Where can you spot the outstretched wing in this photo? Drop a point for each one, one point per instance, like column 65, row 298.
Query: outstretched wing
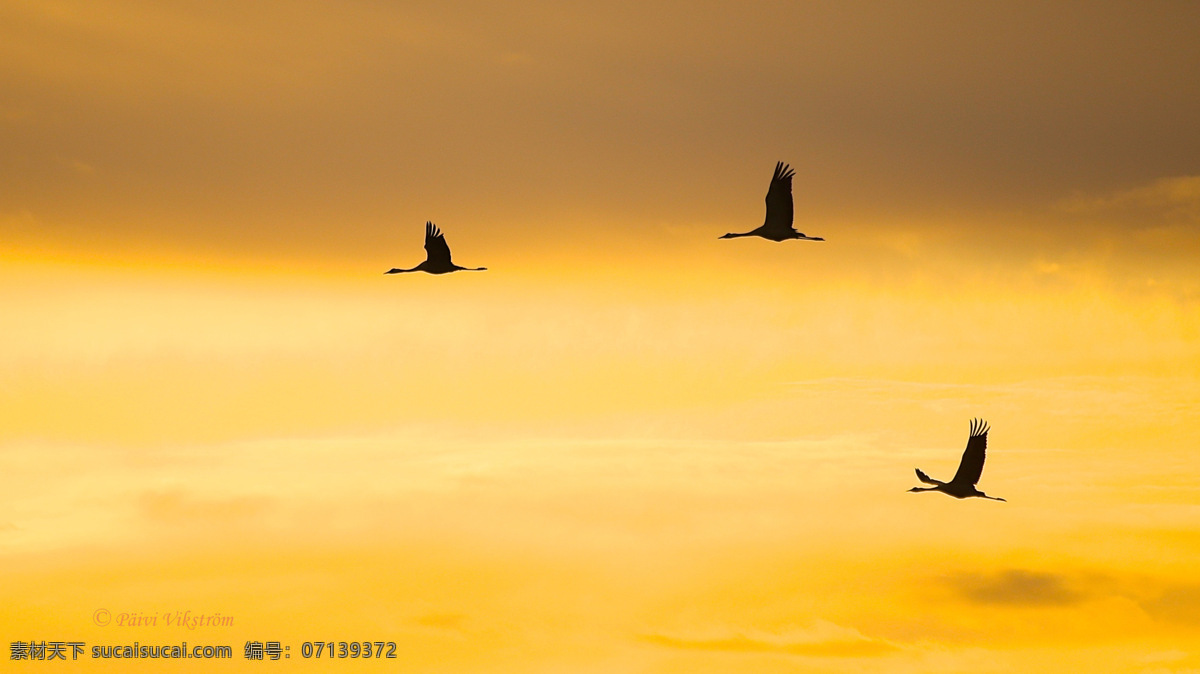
column 925, row 478
column 973, row 456
column 779, row 200
column 436, row 250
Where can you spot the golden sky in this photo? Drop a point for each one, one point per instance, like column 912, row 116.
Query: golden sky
column 628, row 446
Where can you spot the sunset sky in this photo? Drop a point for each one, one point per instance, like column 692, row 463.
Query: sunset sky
column 628, row 446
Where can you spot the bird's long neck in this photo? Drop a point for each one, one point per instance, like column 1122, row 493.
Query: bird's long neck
column 400, row 271
column 734, row 235
column 933, row 488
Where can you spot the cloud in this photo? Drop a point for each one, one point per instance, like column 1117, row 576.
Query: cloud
column 1177, row 603
column 176, row 505
column 824, row 639
column 1161, row 599
column 1175, row 198
column 446, row 622
column 1017, row 587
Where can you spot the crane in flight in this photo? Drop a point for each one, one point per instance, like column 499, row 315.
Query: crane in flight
column 969, row 469
column 778, row 225
column 437, row 255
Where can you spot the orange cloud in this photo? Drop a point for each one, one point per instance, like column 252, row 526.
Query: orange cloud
column 175, row 505
column 1018, row 587
column 823, row 640
column 1177, row 196
column 1177, row 603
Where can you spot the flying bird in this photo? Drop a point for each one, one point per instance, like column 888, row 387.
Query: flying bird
column 969, row 469
column 778, row 225
column 437, row 255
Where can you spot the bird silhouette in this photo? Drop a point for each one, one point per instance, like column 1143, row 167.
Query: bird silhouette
column 969, row 469
column 437, row 255
column 778, row 225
